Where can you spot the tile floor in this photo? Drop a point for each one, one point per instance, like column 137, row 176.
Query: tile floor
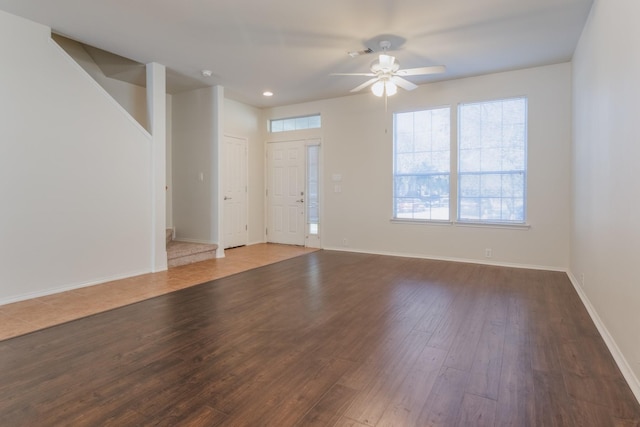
column 27, row 316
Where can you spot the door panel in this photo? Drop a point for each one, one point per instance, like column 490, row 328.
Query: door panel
column 285, row 192
column 235, row 192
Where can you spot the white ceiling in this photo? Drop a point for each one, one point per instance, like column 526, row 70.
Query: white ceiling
column 291, row 46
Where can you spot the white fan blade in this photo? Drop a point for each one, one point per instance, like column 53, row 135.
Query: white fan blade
column 404, row 84
column 365, row 84
column 422, row 70
column 355, row 53
column 353, row 74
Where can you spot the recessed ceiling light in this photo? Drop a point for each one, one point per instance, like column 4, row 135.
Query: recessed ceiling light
column 267, row 93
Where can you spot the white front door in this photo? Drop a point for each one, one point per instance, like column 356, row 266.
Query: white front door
column 285, row 192
column 235, row 192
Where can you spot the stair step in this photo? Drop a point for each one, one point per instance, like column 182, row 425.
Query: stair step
column 183, row 253
column 169, row 235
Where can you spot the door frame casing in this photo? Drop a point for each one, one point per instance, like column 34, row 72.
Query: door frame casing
column 305, row 142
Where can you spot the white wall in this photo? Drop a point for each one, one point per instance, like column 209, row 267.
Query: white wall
column 605, row 238
column 357, row 143
column 133, row 98
column 74, row 173
column 244, row 121
column 193, row 164
column 196, row 115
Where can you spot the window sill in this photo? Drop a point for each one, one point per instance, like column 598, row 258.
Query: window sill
column 420, row 221
column 500, row 225
column 503, row 225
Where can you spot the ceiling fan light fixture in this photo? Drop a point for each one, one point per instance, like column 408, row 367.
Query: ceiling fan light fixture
column 390, row 88
column 378, row 88
column 387, row 75
column 384, row 86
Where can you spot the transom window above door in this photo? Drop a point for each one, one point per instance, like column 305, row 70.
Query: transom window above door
column 295, row 123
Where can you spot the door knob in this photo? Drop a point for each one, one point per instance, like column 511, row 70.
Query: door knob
column 300, row 201
column 227, row 198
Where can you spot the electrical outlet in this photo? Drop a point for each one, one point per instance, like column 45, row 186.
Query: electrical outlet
column 488, row 253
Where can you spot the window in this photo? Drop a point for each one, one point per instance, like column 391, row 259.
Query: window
column 294, row 123
column 421, row 164
column 313, row 171
column 491, row 168
column 492, row 148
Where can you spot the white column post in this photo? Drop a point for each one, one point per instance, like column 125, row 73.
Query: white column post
column 157, row 115
column 218, row 138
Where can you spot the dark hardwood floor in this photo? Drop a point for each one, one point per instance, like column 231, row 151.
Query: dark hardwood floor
column 328, row 339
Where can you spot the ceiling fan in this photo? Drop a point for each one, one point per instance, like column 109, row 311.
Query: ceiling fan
column 386, row 73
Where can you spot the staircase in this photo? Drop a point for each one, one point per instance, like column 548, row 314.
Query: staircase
column 183, row 253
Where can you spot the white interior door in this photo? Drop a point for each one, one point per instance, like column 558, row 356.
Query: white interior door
column 285, row 192
column 235, row 192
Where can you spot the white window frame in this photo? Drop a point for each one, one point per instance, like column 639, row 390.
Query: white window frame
column 455, row 174
column 313, row 180
column 422, row 206
column 486, row 202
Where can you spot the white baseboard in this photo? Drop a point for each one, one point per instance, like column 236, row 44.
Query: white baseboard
column 438, row 258
column 621, row 361
column 57, row 290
